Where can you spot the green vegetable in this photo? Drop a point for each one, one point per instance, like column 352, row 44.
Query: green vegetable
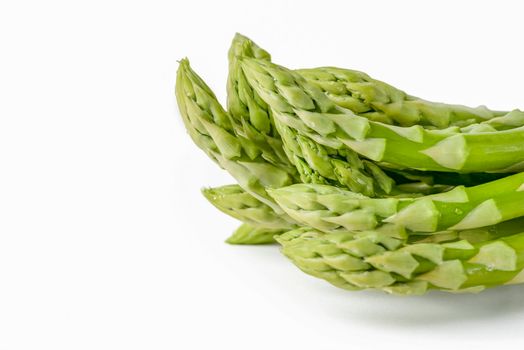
column 375, row 260
column 324, row 165
column 243, row 102
column 329, row 209
column 315, row 162
column 347, row 88
column 362, row 184
column 235, row 202
column 384, row 103
column 303, row 107
column 249, row 113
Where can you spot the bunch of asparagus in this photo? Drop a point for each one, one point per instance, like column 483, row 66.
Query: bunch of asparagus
column 362, row 184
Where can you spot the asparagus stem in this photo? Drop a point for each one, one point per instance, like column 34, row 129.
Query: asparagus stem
column 330, row 209
column 211, row 129
column 353, row 90
column 235, row 202
column 243, row 102
column 335, row 129
column 384, row 103
column 375, row 260
column 250, row 114
column 303, row 107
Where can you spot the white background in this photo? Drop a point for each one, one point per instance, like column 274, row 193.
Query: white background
column 105, row 240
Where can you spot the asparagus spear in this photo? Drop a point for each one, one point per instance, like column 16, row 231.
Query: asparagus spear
column 303, row 107
column 347, row 88
column 235, row 202
column 261, row 221
column 211, row 129
column 375, row 260
column 332, row 209
column 382, row 102
column 250, row 114
column 243, row 103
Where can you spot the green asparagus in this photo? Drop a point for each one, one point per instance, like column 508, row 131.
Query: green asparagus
column 250, row 114
column 325, row 165
column 362, row 184
column 347, row 88
column 235, row 202
column 329, row 209
column 304, row 107
column 210, row 128
column 384, row 103
column 315, row 163
column 372, row 260
column 247, row 234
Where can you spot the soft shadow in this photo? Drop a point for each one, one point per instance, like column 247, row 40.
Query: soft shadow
column 434, row 308
column 380, row 309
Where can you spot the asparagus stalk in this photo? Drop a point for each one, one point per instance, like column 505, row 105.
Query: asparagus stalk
column 304, row 107
column 235, row 202
column 332, row 209
column 211, row 129
column 372, row 260
column 250, row 114
column 382, row 102
column 260, row 221
column 243, row 103
column 347, row 88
